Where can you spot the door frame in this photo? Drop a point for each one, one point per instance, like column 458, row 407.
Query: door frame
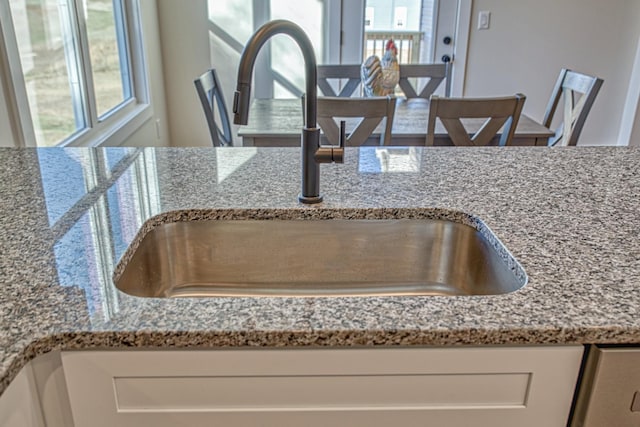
column 461, row 47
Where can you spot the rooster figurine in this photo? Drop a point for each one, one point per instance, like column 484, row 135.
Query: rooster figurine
column 380, row 76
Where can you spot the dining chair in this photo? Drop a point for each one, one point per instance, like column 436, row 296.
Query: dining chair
column 367, row 113
column 210, row 93
column 579, row 92
column 337, row 72
column 436, row 73
column 502, row 112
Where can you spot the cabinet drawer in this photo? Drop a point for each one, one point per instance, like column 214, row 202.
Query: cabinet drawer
column 370, row 387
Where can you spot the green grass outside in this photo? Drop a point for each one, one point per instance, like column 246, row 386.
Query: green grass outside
column 48, row 82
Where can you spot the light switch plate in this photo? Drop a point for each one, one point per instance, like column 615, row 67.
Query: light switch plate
column 484, row 17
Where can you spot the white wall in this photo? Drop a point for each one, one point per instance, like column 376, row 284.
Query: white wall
column 185, row 51
column 154, row 132
column 529, row 42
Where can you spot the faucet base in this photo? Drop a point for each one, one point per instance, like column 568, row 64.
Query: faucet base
column 309, row 200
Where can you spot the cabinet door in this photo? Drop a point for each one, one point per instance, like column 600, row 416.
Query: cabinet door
column 610, row 391
column 19, row 404
column 488, row 386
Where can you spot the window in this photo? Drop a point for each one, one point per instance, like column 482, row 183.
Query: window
column 280, row 71
column 78, row 64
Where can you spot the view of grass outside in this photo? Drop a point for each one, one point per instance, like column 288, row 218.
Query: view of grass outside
column 52, row 72
column 105, row 60
column 40, row 43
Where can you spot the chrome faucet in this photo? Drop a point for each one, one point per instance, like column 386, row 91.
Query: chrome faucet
column 313, row 154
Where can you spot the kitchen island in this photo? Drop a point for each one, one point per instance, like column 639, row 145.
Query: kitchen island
column 67, row 216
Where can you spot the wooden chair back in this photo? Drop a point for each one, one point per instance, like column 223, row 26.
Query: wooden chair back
column 367, row 112
column 503, row 112
column 338, row 72
column 437, row 74
column 579, row 92
column 210, row 94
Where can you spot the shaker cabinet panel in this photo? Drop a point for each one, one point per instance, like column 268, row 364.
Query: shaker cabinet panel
column 493, row 386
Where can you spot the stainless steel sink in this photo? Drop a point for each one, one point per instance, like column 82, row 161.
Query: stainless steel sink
column 311, row 258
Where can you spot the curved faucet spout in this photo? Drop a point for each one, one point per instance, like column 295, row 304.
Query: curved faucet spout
column 247, row 61
column 312, row 153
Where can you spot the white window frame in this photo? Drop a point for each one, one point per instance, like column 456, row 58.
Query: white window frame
column 114, row 127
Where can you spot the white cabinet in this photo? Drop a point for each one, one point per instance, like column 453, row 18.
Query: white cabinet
column 610, row 391
column 481, row 386
column 19, row 404
column 37, row 396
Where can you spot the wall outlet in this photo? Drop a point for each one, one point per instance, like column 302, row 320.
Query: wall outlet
column 484, row 17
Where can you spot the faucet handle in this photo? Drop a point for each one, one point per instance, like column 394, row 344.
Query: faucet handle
column 338, row 153
column 332, row 153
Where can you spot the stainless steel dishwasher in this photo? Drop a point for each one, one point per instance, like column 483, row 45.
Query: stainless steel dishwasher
column 609, row 393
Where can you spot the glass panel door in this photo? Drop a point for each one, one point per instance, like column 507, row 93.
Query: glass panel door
column 444, row 25
column 286, row 58
column 282, row 73
column 418, row 28
column 424, row 31
column 402, row 21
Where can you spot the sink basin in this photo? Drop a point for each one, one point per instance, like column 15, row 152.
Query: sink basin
column 315, row 258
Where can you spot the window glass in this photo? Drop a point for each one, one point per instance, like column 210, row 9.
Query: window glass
column 48, row 56
column 409, row 23
column 286, row 57
column 235, row 17
column 108, row 52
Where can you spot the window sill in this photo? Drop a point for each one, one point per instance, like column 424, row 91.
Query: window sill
column 116, row 132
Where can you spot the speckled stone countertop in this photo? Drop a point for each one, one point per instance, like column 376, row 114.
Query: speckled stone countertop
column 570, row 216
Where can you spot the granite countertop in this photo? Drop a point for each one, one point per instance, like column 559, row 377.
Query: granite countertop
column 568, row 215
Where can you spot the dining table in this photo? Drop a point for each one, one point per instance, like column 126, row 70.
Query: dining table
column 277, row 122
